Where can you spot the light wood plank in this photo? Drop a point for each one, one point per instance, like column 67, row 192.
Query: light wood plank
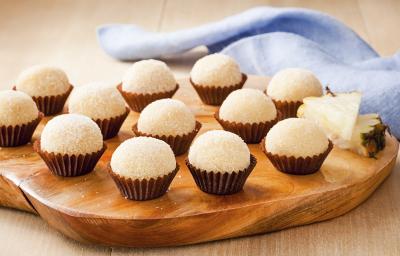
column 180, row 14
column 63, row 33
column 382, row 20
column 22, row 233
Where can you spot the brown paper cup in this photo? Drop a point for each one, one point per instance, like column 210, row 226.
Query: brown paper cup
column 179, row 144
column 13, row 136
column 51, row 105
column 69, row 165
column 110, row 127
column 221, row 183
column 288, row 109
column 250, row 133
column 216, row 95
column 138, row 101
column 143, row 189
column 297, row 165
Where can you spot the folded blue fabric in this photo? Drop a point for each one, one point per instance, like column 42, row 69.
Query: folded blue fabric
column 264, row 40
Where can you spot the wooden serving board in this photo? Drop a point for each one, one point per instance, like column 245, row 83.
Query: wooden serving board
column 90, row 208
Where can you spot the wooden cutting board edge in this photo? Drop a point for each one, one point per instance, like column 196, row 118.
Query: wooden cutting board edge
column 357, row 192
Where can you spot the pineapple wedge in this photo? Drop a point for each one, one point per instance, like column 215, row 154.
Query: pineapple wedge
column 337, row 115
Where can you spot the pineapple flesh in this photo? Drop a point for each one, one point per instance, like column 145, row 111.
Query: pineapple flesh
column 337, row 115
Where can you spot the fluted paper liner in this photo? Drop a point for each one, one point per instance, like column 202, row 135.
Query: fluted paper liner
column 288, row 109
column 179, row 144
column 143, row 189
column 17, row 135
column 297, row 165
column 69, row 165
column 211, row 95
column 51, row 105
column 221, row 183
column 251, row 133
column 138, row 101
column 111, row 126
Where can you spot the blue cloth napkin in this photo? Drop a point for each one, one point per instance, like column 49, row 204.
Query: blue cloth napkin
column 264, row 40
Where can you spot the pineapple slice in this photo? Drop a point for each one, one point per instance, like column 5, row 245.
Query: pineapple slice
column 337, row 115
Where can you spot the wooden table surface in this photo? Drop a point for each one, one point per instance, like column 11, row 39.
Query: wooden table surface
column 63, row 33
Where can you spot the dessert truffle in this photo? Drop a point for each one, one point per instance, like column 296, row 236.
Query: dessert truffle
column 71, row 134
column 48, row 86
column 143, row 158
column 296, row 137
column 248, row 106
column 143, row 168
column 102, row 103
column 216, row 70
column 219, row 151
column 290, row 86
column 70, row 144
column 249, row 113
column 148, row 76
column 216, row 154
column 43, row 81
column 169, row 120
column 297, row 146
column 147, row 81
column 19, row 117
column 97, row 101
column 16, row 108
column 215, row 76
column 166, row 117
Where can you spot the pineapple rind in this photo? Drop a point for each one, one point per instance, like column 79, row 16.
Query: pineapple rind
column 368, row 135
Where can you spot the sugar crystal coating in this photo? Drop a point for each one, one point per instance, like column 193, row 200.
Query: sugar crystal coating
column 294, row 84
column 296, row 137
column 219, row 151
column 43, row 81
column 16, row 108
column 71, row 134
column 166, row 117
column 97, row 101
column 143, row 158
column 247, row 106
column 216, row 70
column 148, row 76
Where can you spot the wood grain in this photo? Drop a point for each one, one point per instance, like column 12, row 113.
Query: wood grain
column 61, row 32
column 89, row 208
